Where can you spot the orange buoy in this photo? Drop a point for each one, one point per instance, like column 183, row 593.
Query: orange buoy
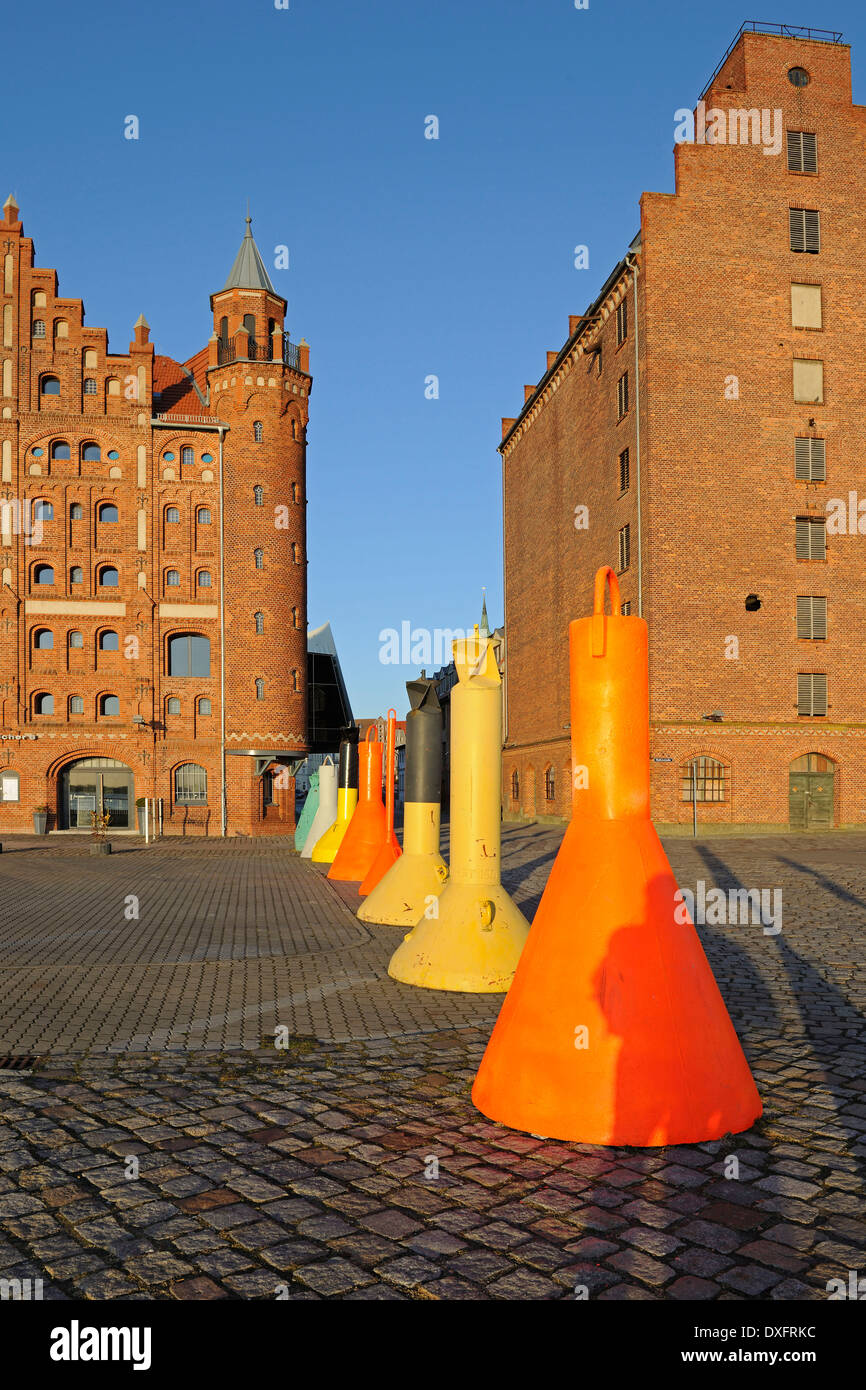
column 366, row 830
column 614, row 1030
column 389, row 851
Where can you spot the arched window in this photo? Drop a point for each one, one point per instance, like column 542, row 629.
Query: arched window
column 108, row 514
column 173, row 706
column 190, row 785
column 296, row 553
column 90, row 386
column 172, row 516
column 109, row 577
column 296, row 617
column 76, row 512
column 294, row 428
column 39, row 299
column 109, row 641
column 76, row 704
column 260, row 559
column 9, row 786
column 250, row 325
column 224, row 329
column 43, row 639
column 187, row 456
column 172, row 579
column 188, row 655
column 550, row 784
column 259, row 495
column 109, row 705
column 204, row 579
column 61, row 328
column 91, row 453
column 91, row 358
column 703, row 779
column 43, row 574
column 112, row 386
column 296, row 683
column 76, row 640
column 60, row 449
column 515, row 785
column 43, row 511
column 43, row 704
column 50, row 386
column 260, row 622
column 204, row 707
column 258, row 431
column 260, row 688
column 296, row 492
column 204, row 518
column 76, row 575
column 39, row 328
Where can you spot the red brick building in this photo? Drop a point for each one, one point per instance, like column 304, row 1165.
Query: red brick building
column 699, row 431
column 153, row 555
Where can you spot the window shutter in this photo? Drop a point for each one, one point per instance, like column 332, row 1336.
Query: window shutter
column 802, row 151
column 812, row 695
column 810, row 538
column 805, row 229
column 812, row 617
column 810, row 462
column 624, row 548
column 810, row 152
column 623, row 471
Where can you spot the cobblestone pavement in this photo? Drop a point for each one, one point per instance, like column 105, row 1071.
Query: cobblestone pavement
column 354, row 1165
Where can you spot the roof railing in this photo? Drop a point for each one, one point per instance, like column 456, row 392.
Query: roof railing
column 785, row 31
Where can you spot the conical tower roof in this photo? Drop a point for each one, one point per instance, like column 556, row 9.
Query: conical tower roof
column 248, row 271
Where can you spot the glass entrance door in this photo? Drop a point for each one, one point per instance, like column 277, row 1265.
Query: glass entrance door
column 82, row 801
column 100, row 785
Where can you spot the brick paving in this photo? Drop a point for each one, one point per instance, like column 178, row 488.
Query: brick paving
column 353, row 1164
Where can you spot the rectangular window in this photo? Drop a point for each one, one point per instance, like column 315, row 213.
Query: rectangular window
column 624, row 470
column 812, row 695
column 805, row 229
column 622, row 396
column 808, row 381
column 806, row 309
column 811, row 538
column 811, row 618
column 810, row 463
column 621, row 322
column 624, row 548
column 802, row 152
column 9, row 787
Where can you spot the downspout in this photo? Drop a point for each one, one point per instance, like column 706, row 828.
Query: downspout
column 223, row 816
column 632, row 260
column 504, row 621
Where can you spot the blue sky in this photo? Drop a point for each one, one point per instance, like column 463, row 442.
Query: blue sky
column 409, row 257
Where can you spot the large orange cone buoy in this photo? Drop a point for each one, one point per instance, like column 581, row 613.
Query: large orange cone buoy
column 389, row 850
column 366, row 830
column 614, row 1030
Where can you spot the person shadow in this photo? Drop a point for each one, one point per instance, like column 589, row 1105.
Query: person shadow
column 831, row 1025
column 681, row 1072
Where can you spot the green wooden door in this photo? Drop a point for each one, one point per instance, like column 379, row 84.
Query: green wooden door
column 810, row 800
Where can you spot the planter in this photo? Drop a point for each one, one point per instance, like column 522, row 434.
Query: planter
column 101, row 847
column 40, row 822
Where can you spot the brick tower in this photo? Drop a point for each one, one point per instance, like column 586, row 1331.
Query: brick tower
column 259, row 387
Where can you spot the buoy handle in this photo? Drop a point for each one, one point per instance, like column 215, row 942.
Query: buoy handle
column 604, row 576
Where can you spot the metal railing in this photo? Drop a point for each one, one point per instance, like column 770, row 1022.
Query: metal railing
column 785, row 31
column 243, row 348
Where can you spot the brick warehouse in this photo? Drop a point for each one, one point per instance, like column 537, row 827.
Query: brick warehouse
column 707, row 412
column 153, row 553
